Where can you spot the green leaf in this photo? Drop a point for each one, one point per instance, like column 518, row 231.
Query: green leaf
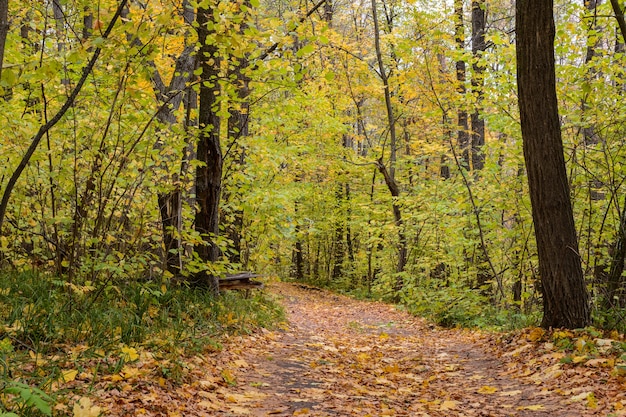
column 306, row 49
column 9, row 78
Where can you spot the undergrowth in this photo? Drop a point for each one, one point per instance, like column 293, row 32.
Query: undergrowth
column 47, row 326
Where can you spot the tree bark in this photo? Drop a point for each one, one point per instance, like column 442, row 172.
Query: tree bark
column 209, row 152
column 615, row 281
column 565, row 297
column 478, row 47
column 4, row 29
column 619, row 16
column 389, row 173
column 170, row 203
column 463, row 137
column 238, row 128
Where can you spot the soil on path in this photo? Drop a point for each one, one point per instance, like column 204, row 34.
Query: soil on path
column 343, row 357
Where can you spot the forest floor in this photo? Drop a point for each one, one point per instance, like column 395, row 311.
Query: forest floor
column 342, row 357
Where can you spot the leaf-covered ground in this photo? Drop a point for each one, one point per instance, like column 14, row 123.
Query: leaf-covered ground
column 342, row 357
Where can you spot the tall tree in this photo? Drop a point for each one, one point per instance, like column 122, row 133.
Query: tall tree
column 238, row 129
column 565, row 297
column 463, row 137
column 478, row 68
column 390, row 172
column 209, row 152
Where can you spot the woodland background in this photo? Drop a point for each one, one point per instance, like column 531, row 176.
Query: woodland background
column 371, row 147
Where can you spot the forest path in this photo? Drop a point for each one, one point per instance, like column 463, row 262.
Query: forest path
column 344, row 357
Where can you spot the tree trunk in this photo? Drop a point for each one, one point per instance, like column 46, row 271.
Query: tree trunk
column 478, row 47
column 619, row 16
column 209, row 152
column 389, row 173
column 463, row 137
column 615, row 280
column 238, row 129
column 297, row 258
column 565, row 297
column 338, row 243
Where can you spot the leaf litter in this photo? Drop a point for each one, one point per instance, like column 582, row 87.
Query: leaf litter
column 342, row 357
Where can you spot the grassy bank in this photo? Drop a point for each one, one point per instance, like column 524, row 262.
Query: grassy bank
column 53, row 333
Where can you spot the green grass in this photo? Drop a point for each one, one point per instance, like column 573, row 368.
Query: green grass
column 44, row 317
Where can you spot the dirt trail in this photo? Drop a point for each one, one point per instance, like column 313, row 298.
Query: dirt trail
column 342, row 357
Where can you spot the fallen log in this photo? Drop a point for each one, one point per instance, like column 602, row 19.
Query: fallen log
column 240, row 281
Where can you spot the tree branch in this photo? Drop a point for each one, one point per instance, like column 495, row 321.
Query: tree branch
column 54, row 120
column 619, row 16
column 302, row 19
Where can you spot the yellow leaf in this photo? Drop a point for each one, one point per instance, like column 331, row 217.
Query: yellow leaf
column 391, row 369
column 592, row 402
column 228, row 377
column 562, row 334
column 363, row 357
column 240, row 363
column 487, row 390
column 536, row 334
column 536, row 407
column 448, row 405
column 129, row 354
column 579, row 359
column 83, row 408
column 129, row 372
column 69, row 376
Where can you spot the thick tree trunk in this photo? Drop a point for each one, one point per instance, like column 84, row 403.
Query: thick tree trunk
column 209, row 152
column 565, row 297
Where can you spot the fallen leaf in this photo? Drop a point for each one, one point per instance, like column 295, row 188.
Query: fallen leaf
column 535, row 334
column 84, row 408
column 129, row 354
column 69, row 376
column 448, row 405
column 536, row 407
column 240, row 363
column 486, row 389
column 510, row 393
